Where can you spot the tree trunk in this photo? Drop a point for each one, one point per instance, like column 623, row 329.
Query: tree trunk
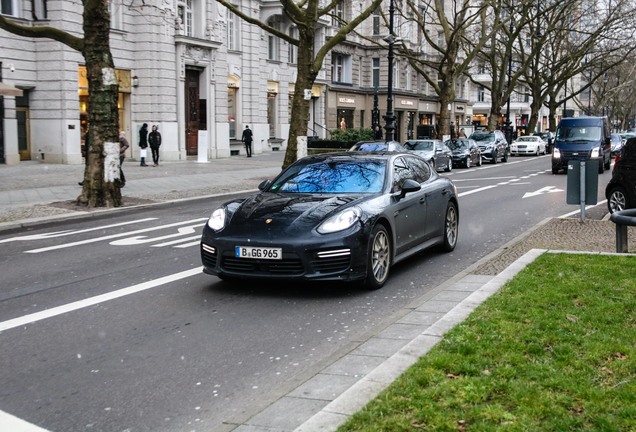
column 101, row 185
column 305, row 80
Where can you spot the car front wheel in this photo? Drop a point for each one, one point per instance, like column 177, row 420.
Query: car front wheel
column 467, row 163
column 449, row 166
column 451, row 227
column 379, row 258
column 617, row 200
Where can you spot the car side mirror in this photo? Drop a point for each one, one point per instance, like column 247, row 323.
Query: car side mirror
column 408, row 186
column 264, row 185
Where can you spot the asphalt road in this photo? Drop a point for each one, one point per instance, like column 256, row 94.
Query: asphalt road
column 127, row 334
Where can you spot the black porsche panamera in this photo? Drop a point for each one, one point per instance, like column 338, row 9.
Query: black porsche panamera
column 334, row 216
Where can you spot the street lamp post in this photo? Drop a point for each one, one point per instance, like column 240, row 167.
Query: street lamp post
column 390, row 116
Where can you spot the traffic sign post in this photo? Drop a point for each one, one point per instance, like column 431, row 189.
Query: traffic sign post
column 582, row 187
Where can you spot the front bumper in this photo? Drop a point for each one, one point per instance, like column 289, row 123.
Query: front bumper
column 523, row 150
column 332, row 258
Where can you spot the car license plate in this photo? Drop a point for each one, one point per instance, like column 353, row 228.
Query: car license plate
column 258, row 252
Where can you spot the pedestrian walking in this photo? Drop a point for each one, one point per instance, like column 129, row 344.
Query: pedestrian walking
column 247, row 139
column 143, row 144
column 377, row 133
column 123, row 146
column 154, row 139
column 462, row 133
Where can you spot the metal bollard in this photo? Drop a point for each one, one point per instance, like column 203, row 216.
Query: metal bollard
column 623, row 219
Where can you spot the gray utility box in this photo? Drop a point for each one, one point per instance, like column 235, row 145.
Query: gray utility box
column 576, row 182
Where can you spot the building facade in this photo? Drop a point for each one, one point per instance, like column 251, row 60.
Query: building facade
column 202, row 74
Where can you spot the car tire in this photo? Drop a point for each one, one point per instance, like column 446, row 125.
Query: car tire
column 555, row 170
column 495, row 156
column 378, row 258
column 479, row 161
column 608, row 163
column 467, row 163
column 601, row 167
column 505, row 156
column 451, row 227
column 449, row 166
column 617, row 200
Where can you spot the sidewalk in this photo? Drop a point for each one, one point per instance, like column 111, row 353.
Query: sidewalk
column 325, row 400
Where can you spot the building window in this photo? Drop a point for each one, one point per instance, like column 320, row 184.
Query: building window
column 481, row 94
column 115, row 8
column 396, row 74
column 273, row 42
column 338, row 17
column 9, row 7
column 292, row 56
column 39, row 10
column 232, row 31
column 377, row 17
column 184, row 11
column 375, row 70
column 340, row 68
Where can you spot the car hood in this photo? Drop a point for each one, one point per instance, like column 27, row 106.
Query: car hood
column 286, row 213
column 426, row 154
column 460, row 152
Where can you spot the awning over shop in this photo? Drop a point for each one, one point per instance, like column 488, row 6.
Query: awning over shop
column 7, row 90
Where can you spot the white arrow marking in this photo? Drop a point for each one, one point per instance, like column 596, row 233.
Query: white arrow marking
column 547, row 189
column 94, row 240
column 136, row 240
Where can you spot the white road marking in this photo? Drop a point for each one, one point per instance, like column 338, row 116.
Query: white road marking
column 70, row 307
column 113, row 236
column 547, row 189
column 70, row 232
column 143, row 239
column 14, row 424
column 170, row 243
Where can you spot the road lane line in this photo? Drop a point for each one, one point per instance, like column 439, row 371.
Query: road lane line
column 70, row 307
column 71, row 232
column 113, row 236
column 14, row 424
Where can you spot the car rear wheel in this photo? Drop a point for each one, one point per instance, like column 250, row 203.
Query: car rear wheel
column 505, row 156
column 617, row 200
column 479, row 161
column 379, row 258
column 451, row 227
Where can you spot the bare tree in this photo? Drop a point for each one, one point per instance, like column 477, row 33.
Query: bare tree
column 579, row 42
column 306, row 15
column 463, row 30
column 101, row 183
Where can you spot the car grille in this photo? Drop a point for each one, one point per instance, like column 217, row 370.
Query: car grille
column 324, row 262
column 575, row 155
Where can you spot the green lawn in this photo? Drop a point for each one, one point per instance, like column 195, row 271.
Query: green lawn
column 553, row 350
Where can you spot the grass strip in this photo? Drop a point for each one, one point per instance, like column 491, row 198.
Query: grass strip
column 553, row 350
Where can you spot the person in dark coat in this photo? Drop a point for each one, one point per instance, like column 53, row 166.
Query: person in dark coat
column 123, row 146
column 247, row 139
column 143, row 143
column 154, row 139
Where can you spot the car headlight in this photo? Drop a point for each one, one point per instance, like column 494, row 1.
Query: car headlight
column 596, row 152
column 556, row 154
column 217, row 220
column 340, row 221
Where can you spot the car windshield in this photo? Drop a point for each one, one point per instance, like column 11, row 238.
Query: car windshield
column 578, row 133
column 333, row 176
column 372, row 147
column 420, row 145
column 483, row 137
column 457, row 144
column 527, row 138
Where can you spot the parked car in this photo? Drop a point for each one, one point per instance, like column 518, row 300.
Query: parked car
column 617, row 143
column 493, row 145
column 528, row 145
column 582, row 138
column 434, row 151
column 378, row 146
column 333, row 217
column 621, row 189
column 465, row 151
column 548, row 137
